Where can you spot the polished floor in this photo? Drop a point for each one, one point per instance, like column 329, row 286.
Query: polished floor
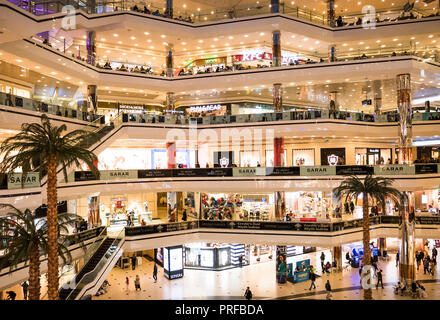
column 260, row 277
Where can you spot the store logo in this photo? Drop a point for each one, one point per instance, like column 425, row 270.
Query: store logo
column 332, row 160
column 298, row 226
column 119, row 174
column 159, row 228
column 311, row 170
column 393, row 169
column 224, row 162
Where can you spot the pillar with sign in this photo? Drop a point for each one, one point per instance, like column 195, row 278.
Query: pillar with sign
column 170, row 101
column 169, row 9
column 280, row 205
column 92, row 101
column 274, row 6
column 172, row 206
column 91, row 48
column 276, row 48
column 337, row 257
column 407, row 218
column 331, row 12
column 170, row 61
column 332, row 53
column 171, row 155
column 277, row 98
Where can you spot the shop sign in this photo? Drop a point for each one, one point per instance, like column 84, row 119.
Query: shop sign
column 203, row 172
column 155, row 173
column 249, row 172
column 394, row 169
column 204, row 108
column 282, row 171
column 253, row 55
column 31, row 180
column 426, row 168
column 317, row 170
column 118, row 174
column 85, row 176
column 354, row 170
column 131, row 108
column 427, row 220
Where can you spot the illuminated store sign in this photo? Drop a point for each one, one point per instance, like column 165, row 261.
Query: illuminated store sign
column 318, row 171
column 131, row 108
column 18, row 180
column 394, row 169
column 209, row 107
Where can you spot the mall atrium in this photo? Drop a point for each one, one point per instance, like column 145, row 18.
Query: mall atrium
column 222, row 130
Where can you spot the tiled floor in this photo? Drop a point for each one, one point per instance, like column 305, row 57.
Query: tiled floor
column 260, row 277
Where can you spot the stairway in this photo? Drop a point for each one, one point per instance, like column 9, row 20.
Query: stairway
column 90, row 265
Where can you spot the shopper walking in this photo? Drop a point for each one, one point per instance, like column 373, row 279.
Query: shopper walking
column 248, row 294
column 352, row 207
column 434, row 255
column 322, row 260
column 11, row 295
column 133, row 262
column 379, row 278
column 328, row 288
column 155, row 273
column 127, row 283
column 137, row 283
column 397, row 258
column 312, row 279
column 425, row 265
column 432, row 267
column 25, row 286
column 418, row 259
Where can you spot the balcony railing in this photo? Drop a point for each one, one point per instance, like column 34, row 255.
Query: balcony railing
column 199, row 16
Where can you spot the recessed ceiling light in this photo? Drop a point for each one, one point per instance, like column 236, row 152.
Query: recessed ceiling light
column 115, row 35
column 262, row 34
column 19, row 60
column 37, row 67
column 163, row 36
column 146, row 33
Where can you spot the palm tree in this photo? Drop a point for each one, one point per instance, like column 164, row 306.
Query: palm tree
column 24, row 240
column 46, row 145
column 372, row 189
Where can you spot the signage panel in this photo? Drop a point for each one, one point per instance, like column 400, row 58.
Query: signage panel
column 354, row 170
column 248, row 172
column 85, row 176
column 203, row 172
column 31, row 180
column 282, row 171
column 426, row 168
column 118, row 174
column 317, row 170
column 155, row 173
column 394, row 169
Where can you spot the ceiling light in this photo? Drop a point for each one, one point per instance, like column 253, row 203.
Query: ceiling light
column 146, row 33
column 163, row 36
column 115, row 34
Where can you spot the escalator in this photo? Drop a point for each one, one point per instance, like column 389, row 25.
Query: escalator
column 95, row 270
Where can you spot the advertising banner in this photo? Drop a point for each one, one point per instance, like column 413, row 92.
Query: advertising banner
column 118, row 174
column 155, row 173
column 354, row 170
column 317, row 170
column 282, row 171
column 203, row 172
column 248, row 172
column 85, row 176
column 31, row 180
column 394, row 169
column 426, row 168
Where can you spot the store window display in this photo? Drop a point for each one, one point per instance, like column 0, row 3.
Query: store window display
column 308, row 206
column 120, row 213
column 303, row 157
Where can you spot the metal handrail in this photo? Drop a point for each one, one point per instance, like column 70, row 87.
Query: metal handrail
column 89, row 276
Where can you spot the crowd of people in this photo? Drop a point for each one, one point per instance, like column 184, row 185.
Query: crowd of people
column 157, row 13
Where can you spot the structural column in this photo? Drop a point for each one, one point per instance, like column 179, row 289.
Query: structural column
column 332, row 53
column 171, row 155
column 337, row 256
column 278, row 147
column 406, row 223
column 274, row 6
column 91, row 49
column 280, row 205
column 169, row 9
column 331, row 12
column 170, row 62
column 377, row 106
column 382, row 245
column 276, row 48
column 170, row 101
column 277, row 98
column 92, row 100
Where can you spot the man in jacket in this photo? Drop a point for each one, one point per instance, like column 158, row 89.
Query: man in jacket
column 328, row 288
column 379, row 278
column 248, row 294
column 312, row 279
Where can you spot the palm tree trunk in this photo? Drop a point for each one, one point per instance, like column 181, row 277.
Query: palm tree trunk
column 52, row 231
column 34, row 275
column 366, row 241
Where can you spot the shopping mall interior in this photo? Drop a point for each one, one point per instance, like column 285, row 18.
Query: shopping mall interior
column 223, row 129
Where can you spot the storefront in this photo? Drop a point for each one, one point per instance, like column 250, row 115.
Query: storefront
column 427, row 202
column 110, row 109
column 234, row 206
column 142, row 158
column 311, row 206
column 332, row 156
column 373, row 156
column 428, row 154
column 216, row 256
column 303, row 157
column 209, row 64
